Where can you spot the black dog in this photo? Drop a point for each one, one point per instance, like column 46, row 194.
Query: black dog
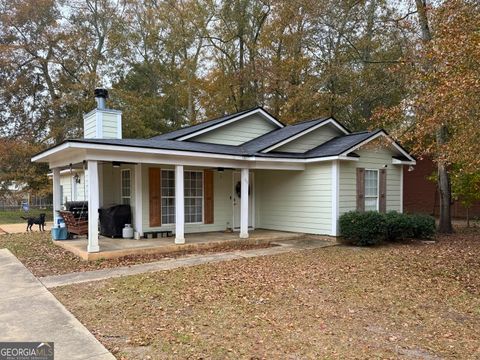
column 39, row 220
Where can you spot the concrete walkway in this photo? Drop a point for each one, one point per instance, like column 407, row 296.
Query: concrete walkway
column 168, row 264
column 29, row 312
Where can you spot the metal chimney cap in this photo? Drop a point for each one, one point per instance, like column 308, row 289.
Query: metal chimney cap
column 101, row 93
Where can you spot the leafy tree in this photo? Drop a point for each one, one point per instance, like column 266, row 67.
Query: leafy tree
column 439, row 115
column 173, row 63
column 466, row 188
column 15, row 166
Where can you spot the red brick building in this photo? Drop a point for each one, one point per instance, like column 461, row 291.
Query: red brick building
column 420, row 195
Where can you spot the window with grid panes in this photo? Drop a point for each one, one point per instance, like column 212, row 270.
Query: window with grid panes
column 168, row 196
column 126, row 186
column 371, row 190
column 193, row 182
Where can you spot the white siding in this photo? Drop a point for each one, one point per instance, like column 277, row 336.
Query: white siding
column 66, row 181
column 310, row 140
column 222, row 206
column 299, row 201
column 66, row 184
column 90, row 125
column 110, row 121
column 369, row 159
column 238, row 132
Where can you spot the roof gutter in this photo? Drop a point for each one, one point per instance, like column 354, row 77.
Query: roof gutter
column 136, row 149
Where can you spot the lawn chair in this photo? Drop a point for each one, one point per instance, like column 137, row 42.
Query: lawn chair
column 74, row 226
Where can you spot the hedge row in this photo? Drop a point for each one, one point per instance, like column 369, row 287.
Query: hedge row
column 371, row 227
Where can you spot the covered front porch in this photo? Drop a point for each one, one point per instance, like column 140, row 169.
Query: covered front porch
column 114, row 248
column 184, row 195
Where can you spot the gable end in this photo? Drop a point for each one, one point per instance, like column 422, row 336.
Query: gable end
column 275, row 124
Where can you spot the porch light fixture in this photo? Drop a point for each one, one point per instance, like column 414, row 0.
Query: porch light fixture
column 220, row 169
column 116, row 164
column 411, row 168
column 76, row 177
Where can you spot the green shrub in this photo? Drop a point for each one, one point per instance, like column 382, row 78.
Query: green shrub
column 423, row 226
column 399, row 226
column 363, row 228
column 371, row 227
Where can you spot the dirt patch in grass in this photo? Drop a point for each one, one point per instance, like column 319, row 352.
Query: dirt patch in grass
column 42, row 257
column 399, row 301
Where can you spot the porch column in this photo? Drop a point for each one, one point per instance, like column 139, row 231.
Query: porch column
column 244, row 204
column 57, row 201
column 93, row 205
column 335, row 196
column 138, row 200
column 179, row 206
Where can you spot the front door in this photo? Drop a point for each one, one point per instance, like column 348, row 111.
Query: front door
column 236, row 201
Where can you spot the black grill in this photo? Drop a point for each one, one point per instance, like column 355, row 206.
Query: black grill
column 113, row 220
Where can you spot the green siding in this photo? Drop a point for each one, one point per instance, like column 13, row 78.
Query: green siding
column 310, row 140
column 299, row 201
column 238, row 132
column 369, row 159
column 112, row 184
column 110, row 125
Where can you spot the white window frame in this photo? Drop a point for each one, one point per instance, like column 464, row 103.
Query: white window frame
column 195, row 197
column 74, row 189
column 62, row 199
column 185, row 197
column 129, row 197
column 378, row 189
column 167, row 197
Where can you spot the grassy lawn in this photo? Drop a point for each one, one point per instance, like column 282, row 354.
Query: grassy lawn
column 14, row 216
column 42, row 257
column 413, row 301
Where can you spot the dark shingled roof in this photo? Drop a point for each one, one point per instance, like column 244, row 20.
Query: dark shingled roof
column 274, row 137
column 340, row 144
column 332, row 147
column 169, row 145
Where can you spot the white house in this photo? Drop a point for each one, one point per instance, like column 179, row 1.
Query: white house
column 241, row 171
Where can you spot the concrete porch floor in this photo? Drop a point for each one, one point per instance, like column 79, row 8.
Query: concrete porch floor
column 114, row 248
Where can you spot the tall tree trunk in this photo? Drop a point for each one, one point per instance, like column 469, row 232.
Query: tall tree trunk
column 241, row 54
column 366, row 104
column 445, row 221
